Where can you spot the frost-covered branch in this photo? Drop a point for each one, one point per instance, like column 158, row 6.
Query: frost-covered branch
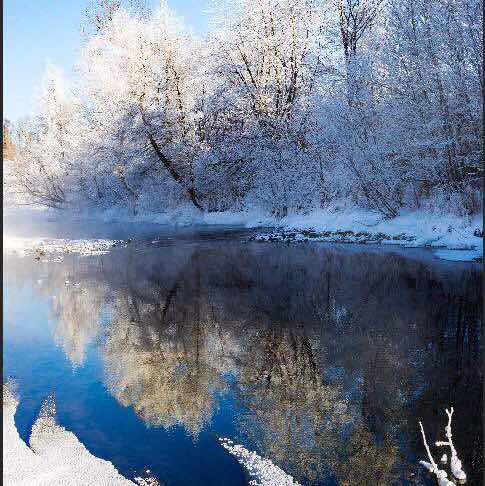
column 431, row 466
column 455, row 463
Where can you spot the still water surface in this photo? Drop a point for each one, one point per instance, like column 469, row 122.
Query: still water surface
column 319, row 357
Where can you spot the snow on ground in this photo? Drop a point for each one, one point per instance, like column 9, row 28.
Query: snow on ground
column 262, row 471
column 336, row 223
column 48, row 248
column 409, row 229
column 55, row 455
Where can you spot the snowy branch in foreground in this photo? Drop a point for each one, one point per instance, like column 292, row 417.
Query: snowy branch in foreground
column 432, row 467
column 455, row 463
column 262, row 471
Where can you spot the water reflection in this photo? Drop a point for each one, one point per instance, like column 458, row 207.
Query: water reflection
column 331, row 353
column 166, row 374
column 77, row 310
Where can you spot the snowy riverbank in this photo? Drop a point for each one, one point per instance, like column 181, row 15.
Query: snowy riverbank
column 54, row 455
column 451, row 237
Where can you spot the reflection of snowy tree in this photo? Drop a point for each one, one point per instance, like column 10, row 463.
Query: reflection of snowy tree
column 398, row 334
column 77, row 310
column 293, row 417
column 366, row 462
column 77, row 297
column 303, row 424
column 166, row 375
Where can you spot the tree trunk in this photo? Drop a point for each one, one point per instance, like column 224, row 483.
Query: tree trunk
column 177, row 177
column 167, row 163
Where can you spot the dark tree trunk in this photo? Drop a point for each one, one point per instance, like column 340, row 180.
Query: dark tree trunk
column 177, row 177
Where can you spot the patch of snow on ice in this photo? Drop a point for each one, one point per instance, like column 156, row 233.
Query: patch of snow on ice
column 262, row 471
column 41, row 247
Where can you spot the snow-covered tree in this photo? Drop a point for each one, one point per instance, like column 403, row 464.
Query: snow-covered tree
column 285, row 106
column 140, row 88
column 47, row 167
column 266, row 61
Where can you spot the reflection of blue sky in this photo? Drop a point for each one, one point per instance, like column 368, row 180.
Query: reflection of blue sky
column 30, row 356
column 85, row 407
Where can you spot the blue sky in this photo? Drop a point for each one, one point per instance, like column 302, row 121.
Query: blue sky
column 35, row 31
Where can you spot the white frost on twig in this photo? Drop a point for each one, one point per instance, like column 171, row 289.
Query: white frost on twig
column 262, row 471
column 455, row 463
column 432, row 467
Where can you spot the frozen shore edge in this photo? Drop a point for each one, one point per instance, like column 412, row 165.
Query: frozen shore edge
column 451, row 237
column 54, row 455
column 262, row 472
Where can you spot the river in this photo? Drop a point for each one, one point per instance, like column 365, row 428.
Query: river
column 320, row 357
